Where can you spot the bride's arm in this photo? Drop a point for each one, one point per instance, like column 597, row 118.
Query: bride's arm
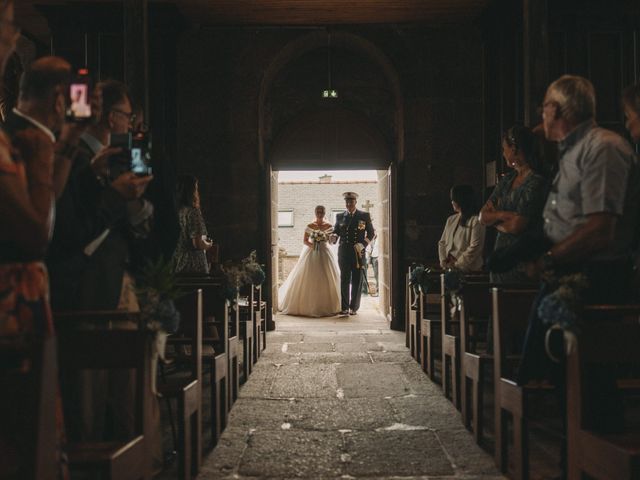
column 305, row 240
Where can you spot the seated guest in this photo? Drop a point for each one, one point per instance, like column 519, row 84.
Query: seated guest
column 589, row 219
column 190, row 256
column 462, row 241
column 515, row 206
column 631, row 105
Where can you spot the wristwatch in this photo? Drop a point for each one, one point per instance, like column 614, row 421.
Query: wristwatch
column 547, row 261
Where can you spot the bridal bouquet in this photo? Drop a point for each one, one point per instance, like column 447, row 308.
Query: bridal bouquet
column 319, row 236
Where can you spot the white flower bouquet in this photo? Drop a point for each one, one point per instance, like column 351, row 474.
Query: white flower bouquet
column 318, row 237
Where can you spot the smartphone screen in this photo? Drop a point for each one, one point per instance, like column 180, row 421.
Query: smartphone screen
column 138, row 164
column 79, row 102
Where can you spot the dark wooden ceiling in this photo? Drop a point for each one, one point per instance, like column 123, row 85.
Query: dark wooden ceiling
column 323, row 12
column 289, row 12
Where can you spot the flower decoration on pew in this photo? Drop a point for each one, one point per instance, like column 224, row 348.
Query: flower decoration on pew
column 246, row 272
column 419, row 278
column 563, row 306
column 453, row 280
column 156, row 290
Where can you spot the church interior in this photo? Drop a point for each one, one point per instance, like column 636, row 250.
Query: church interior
column 142, row 327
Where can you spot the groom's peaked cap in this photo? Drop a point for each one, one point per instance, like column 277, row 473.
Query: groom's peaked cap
column 350, row 195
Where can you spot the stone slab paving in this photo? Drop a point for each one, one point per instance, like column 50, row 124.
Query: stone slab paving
column 342, row 399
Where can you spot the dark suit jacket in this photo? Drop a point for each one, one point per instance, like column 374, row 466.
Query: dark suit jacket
column 353, row 229
column 85, row 209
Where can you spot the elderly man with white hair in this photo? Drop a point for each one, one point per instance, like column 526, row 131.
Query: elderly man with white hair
column 589, row 220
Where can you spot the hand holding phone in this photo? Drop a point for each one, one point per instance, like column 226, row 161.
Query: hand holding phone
column 79, row 98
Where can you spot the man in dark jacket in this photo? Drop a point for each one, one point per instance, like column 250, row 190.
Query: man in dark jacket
column 355, row 231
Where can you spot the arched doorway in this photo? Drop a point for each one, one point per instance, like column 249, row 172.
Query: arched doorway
column 363, row 128
column 335, row 139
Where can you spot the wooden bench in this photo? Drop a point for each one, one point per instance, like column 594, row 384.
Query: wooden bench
column 233, row 362
column 247, row 322
column 234, row 350
column 609, row 337
column 28, row 382
column 112, row 349
column 475, row 312
column 188, row 391
column 450, row 330
column 430, row 323
column 215, row 351
column 260, row 311
column 413, row 325
column 510, row 317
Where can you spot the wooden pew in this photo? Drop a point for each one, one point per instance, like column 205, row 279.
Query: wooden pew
column 234, row 350
column 247, row 330
column 450, row 330
column 233, row 362
column 188, row 392
column 28, row 382
column 413, row 324
column 510, row 316
column 609, row 337
column 260, row 311
column 475, row 311
column 430, row 323
column 112, row 349
column 215, row 349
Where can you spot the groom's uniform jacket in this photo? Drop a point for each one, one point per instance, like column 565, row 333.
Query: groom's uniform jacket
column 353, row 228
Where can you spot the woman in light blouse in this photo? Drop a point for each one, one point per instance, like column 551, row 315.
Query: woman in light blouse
column 462, row 241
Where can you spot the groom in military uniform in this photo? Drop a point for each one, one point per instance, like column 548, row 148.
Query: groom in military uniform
column 355, row 231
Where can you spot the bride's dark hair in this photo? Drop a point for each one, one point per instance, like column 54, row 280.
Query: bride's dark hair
column 320, row 207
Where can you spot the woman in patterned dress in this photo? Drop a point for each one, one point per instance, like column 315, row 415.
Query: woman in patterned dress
column 190, row 255
column 515, row 206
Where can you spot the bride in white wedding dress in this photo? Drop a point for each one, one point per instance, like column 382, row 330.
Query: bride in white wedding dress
column 312, row 288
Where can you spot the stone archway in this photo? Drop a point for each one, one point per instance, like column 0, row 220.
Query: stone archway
column 340, row 40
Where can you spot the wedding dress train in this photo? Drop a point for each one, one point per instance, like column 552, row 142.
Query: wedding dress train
column 312, row 288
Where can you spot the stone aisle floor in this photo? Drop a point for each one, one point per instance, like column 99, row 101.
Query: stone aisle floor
column 342, row 398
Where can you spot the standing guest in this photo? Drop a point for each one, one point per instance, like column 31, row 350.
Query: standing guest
column 515, row 206
column 88, row 259
column 37, row 174
column 33, row 170
column 462, row 240
column 374, row 253
column 589, row 219
column 631, row 105
column 190, row 255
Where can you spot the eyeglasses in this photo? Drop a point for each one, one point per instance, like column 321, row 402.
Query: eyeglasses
column 130, row 115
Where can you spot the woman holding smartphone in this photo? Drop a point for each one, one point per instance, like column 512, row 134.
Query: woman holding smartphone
column 190, row 255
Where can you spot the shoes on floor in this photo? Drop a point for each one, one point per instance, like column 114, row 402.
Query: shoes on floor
column 353, row 312
column 344, row 313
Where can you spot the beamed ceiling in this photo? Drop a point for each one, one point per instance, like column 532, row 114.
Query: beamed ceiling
column 289, row 12
column 314, row 12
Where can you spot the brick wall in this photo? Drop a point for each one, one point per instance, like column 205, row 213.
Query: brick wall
column 302, row 198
